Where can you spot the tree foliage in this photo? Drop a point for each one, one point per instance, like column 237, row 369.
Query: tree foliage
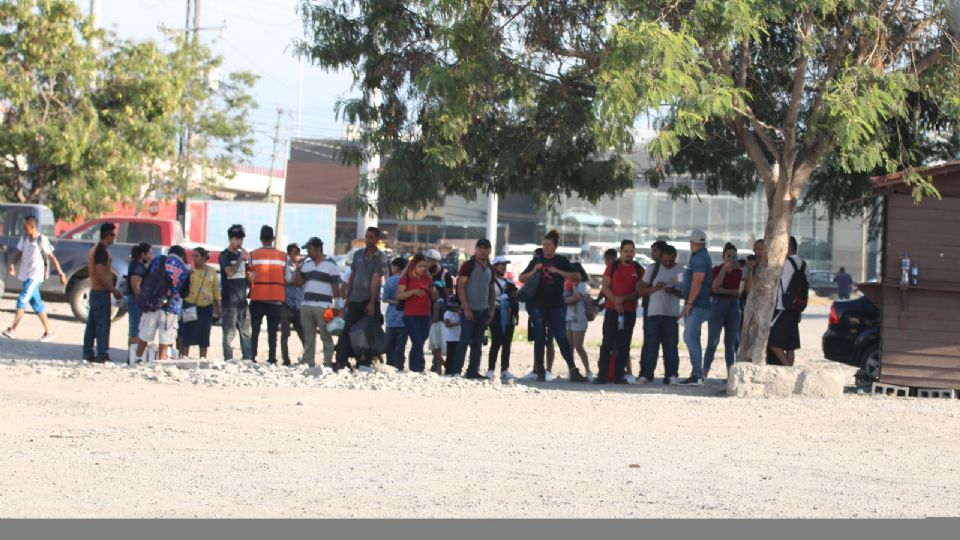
column 89, row 119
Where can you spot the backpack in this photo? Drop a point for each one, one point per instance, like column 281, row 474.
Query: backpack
column 155, row 292
column 796, row 294
column 645, row 302
column 590, row 308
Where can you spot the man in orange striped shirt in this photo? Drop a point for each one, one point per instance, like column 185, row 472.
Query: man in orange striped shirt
column 267, row 292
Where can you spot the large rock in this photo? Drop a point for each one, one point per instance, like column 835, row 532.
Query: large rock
column 751, row 380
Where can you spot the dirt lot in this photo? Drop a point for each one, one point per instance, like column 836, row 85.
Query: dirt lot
column 245, row 441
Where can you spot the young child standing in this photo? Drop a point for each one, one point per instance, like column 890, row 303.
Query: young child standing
column 451, row 328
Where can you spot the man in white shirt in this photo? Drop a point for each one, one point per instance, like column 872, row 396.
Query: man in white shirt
column 35, row 251
column 660, row 284
column 785, row 328
column 320, row 279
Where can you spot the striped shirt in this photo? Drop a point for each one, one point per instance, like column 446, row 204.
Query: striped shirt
column 319, row 279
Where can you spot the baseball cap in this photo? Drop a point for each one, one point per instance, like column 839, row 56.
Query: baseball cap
column 483, row 242
column 698, row 237
column 313, row 242
column 432, row 254
column 500, row 259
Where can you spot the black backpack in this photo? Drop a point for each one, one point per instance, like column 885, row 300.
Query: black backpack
column 155, row 292
column 798, row 290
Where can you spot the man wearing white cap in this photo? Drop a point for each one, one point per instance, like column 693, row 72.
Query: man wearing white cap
column 505, row 314
column 696, row 308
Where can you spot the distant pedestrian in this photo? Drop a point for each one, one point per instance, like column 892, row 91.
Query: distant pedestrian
column 293, row 299
column 234, row 280
column 609, row 256
column 319, row 278
column 267, row 292
column 506, row 314
column 724, row 309
column 363, row 297
column 547, row 308
column 100, row 269
column 141, row 255
column 475, row 292
column 785, row 329
column 418, row 293
column 162, row 323
column 660, row 326
column 31, row 265
column 844, row 283
column 620, row 281
column 696, row 308
column 575, row 296
column 396, row 334
column 204, row 299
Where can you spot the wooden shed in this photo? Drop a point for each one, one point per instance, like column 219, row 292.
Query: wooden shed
column 920, row 324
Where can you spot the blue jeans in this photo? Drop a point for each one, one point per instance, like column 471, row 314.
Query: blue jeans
column 396, row 344
column 691, row 337
column 236, row 318
column 660, row 331
column 133, row 316
column 471, row 335
column 98, row 325
column 418, row 328
column 725, row 316
column 554, row 318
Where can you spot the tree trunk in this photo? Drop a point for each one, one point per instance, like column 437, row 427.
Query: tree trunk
column 763, row 291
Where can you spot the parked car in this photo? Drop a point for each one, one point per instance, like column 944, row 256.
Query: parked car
column 821, row 282
column 588, row 217
column 853, row 336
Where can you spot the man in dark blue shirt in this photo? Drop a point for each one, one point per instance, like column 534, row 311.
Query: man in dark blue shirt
column 844, row 283
column 696, row 309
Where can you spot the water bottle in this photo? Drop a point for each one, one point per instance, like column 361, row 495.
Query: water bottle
column 620, row 322
column 905, row 270
column 914, row 275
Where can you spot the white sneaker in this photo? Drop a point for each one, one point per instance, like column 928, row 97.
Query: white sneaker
column 548, row 377
column 8, row 333
column 507, row 376
column 47, row 338
column 630, row 379
column 532, row 376
column 490, row 374
column 590, row 376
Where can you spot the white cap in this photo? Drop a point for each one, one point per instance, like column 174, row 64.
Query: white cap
column 500, row 259
column 432, row 254
column 698, row 237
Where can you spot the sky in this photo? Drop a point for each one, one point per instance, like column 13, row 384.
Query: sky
column 257, row 38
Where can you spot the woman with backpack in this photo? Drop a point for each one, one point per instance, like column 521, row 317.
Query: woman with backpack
column 417, row 293
column 141, row 255
column 543, row 281
column 201, row 306
column 724, row 309
column 576, row 295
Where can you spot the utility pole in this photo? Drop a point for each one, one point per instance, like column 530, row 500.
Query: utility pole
column 273, row 163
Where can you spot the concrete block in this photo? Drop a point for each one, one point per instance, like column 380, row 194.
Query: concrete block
column 821, row 383
column 750, row 380
column 890, row 390
column 941, row 393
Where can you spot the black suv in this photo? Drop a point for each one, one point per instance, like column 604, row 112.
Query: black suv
column 853, row 337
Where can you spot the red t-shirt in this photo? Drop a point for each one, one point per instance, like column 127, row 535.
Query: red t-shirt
column 417, row 306
column 623, row 282
column 730, row 281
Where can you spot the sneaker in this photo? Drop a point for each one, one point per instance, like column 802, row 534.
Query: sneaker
column 590, row 376
column 102, row 359
column 8, row 333
column 532, row 376
column 548, row 377
column 630, row 379
column 490, row 375
column 475, row 376
column 365, row 369
column 691, row 381
column 622, row 380
column 577, row 377
column 644, row 380
column 542, row 377
column 671, row 380
column 507, row 376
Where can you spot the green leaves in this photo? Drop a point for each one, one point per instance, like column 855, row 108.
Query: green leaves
column 86, row 127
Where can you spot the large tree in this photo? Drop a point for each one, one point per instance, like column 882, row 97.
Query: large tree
column 542, row 97
column 88, row 120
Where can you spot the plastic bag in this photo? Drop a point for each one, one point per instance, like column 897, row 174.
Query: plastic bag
column 367, row 337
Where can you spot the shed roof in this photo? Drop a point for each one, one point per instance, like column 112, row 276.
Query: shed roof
column 895, row 179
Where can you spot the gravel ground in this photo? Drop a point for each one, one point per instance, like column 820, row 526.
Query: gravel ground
column 238, row 440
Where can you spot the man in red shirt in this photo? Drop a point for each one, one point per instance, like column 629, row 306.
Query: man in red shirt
column 620, row 289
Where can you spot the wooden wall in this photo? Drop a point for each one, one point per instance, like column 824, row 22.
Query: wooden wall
column 921, row 326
